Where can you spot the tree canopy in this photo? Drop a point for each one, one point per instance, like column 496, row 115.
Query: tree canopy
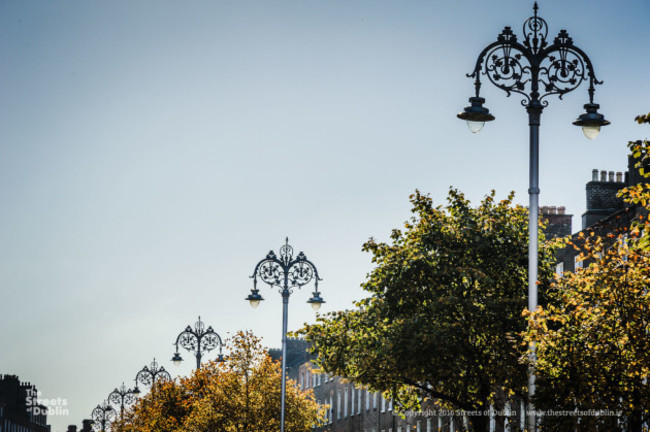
column 593, row 341
column 240, row 395
column 444, row 317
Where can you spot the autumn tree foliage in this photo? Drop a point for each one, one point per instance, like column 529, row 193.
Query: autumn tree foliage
column 643, row 118
column 240, row 395
column 639, row 194
column 593, row 337
column 443, row 320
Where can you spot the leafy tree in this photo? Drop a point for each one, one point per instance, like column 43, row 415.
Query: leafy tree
column 639, row 194
column 643, row 118
column 592, row 339
column 240, row 395
column 593, row 344
column 444, row 316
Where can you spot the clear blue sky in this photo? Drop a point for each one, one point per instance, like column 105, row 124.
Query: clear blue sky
column 151, row 152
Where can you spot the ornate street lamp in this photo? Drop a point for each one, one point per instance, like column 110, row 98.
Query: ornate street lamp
column 535, row 69
column 285, row 273
column 103, row 415
column 123, row 397
column 198, row 340
column 149, row 375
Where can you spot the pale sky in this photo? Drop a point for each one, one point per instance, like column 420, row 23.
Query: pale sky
column 153, row 151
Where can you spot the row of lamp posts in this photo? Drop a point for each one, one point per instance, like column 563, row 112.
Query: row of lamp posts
column 197, row 340
column 283, row 272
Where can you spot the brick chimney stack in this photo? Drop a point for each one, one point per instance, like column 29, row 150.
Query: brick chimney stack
column 558, row 223
column 601, row 196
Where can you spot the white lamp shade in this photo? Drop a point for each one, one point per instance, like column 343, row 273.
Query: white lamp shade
column 475, row 126
column 591, row 132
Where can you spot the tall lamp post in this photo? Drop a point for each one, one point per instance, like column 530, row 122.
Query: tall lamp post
column 535, row 69
column 102, row 416
column 123, row 397
column 149, row 375
column 285, row 273
column 198, row 340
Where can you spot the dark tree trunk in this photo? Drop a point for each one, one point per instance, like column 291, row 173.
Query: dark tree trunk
column 636, row 421
column 480, row 423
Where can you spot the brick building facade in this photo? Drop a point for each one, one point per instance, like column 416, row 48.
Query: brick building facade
column 606, row 213
column 355, row 409
column 19, row 408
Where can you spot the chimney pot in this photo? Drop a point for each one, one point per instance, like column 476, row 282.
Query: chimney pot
column 552, row 210
column 594, row 175
column 603, row 176
column 561, row 210
column 611, row 176
column 619, row 177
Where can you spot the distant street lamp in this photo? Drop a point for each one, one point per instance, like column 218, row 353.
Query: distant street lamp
column 123, row 397
column 285, row 273
column 103, row 415
column 198, row 341
column 149, row 375
column 535, row 70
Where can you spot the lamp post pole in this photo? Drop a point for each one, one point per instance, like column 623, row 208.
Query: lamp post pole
column 535, row 69
column 198, row 340
column 286, row 273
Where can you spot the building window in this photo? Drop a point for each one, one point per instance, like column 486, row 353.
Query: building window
column 367, row 400
column 559, row 269
column 352, row 401
column 374, row 400
column 360, row 395
column 418, row 428
column 492, row 418
column 390, row 405
column 338, row 405
column 345, row 403
column 428, row 425
column 383, row 404
column 577, row 262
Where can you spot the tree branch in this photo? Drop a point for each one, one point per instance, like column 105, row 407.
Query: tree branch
column 467, row 406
